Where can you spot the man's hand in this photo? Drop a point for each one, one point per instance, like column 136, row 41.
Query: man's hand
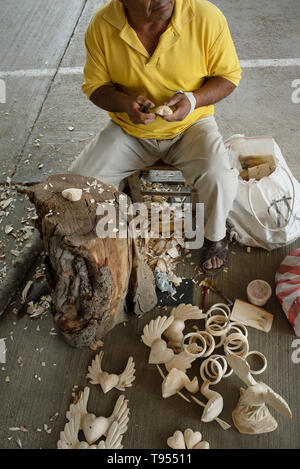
column 183, row 107
column 134, row 106
column 109, row 98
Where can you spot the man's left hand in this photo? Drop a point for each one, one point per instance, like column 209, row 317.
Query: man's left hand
column 183, row 107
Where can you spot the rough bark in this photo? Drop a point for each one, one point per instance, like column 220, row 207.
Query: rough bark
column 90, row 277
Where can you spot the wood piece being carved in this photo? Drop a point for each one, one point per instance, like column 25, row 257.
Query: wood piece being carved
column 187, row 440
column 182, row 313
column 177, row 380
column 151, row 337
column 112, row 427
column 251, row 414
column 251, row 315
column 162, row 111
column 73, row 194
column 109, row 381
column 90, row 276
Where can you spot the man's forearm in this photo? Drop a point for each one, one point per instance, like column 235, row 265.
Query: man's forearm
column 110, row 99
column 213, row 90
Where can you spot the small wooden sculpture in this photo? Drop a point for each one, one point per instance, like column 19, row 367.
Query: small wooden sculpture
column 251, row 415
column 94, row 427
column 187, row 440
column 151, row 337
column 181, row 314
column 69, row 437
column 182, row 361
column 215, row 402
column 109, row 381
column 177, row 380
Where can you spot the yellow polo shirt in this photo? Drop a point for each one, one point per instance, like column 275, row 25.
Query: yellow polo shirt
column 196, row 44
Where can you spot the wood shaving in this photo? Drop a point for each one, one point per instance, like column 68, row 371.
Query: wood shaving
column 5, row 203
column 26, row 290
column 54, row 417
column 20, row 361
column 19, row 443
column 8, row 229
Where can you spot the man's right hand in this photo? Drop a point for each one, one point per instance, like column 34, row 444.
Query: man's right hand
column 134, row 105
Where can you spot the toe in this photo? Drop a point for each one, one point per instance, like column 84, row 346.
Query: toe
column 208, row 264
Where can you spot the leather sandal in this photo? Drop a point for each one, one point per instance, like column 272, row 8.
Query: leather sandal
column 214, row 249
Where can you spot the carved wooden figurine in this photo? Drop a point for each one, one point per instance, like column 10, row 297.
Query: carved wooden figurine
column 94, row 428
column 109, row 381
column 251, row 414
column 187, row 440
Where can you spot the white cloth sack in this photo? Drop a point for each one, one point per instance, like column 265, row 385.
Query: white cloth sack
column 265, row 213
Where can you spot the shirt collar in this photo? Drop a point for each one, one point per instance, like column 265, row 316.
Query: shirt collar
column 182, row 14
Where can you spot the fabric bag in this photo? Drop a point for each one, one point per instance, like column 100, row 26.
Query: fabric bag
column 287, row 281
column 266, row 212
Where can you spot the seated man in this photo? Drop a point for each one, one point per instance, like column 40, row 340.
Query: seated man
column 174, row 52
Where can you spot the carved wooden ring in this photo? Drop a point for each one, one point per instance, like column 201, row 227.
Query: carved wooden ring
column 221, row 342
column 234, row 342
column 203, row 370
column 239, row 327
column 210, row 342
column 217, row 325
column 196, row 335
column 213, row 366
column 221, row 307
column 225, row 367
column 262, row 356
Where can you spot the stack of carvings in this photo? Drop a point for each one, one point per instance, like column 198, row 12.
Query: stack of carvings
column 251, row 414
column 177, row 353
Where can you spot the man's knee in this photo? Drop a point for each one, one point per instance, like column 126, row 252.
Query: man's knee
column 218, row 178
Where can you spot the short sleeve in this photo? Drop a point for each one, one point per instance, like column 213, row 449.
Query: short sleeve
column 95, row 69
column 222, row 58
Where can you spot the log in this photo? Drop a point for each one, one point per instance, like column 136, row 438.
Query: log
column 94, row 280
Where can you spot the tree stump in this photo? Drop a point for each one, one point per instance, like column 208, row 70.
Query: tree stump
column 92, row 279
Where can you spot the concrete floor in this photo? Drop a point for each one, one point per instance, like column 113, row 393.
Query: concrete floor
column 47, row 38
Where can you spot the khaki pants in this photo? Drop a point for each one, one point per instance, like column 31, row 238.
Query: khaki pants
column 199, row 153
